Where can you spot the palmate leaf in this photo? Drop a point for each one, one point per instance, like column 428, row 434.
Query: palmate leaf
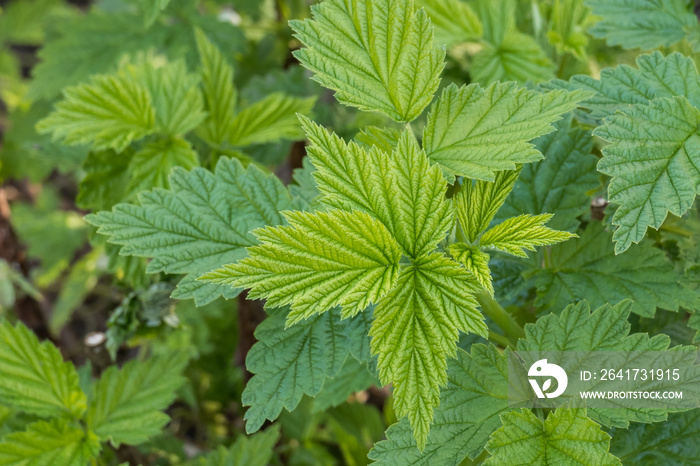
column 320, row 261
column 475, row 260
column 518, row 58
column 674, row 442
column 150, row 167
column 475, row 132
column 559, row 183
column 109, row 113
column 35, row 378
column 454, row 21
column 401, row 189
column 377, row 56
column 126, row 403
column 622, row 87
column 470, row 405
column 567, row 436
column 49, row 443
column 202, row 222
column 645, row 24
column 416, row 327
column 522, row 233
column 654, row 162
column 588, row 268
column 289, row 363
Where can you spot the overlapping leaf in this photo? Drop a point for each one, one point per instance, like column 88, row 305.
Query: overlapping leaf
column 150, row 167
column 475, row 132
column 377, row 56
column 645, row 24
column 202, row 222
column 454, row 20
column 567, row 436
column 522, row 233
column 587, row 268
column 320, row 261
column 475, row 260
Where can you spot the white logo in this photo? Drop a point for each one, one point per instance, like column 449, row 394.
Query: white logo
column 542, row 368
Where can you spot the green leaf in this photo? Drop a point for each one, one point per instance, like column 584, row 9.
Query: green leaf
column 622, row 87
column 522, row 233
column 152, row 165
column 105, row 181
column 588, row 268
column 478, row 201
column 673, row 443
column 255, row 450
column 377, row 56
column 352, row 378
column 416, row 327
column 291, row 362
column 108, row 113
column 577, row 329
column 269, row 120
column 475, row 132
column 152, row 9
column 202, row 222
column 654, row 163
column 219, row 92
column 174, row 94
column 351, row 178
column 47, row 443
column 475, row 260
column 644, row 24
column 567, row 24
column 454, row 21
column 518, row 58
column 320, row 261
column 470, row 405
column 126, row 403
column 35, row 378
column 567, row 436
column 560, row 182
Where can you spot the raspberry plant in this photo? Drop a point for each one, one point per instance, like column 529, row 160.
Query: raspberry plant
column 441, row 219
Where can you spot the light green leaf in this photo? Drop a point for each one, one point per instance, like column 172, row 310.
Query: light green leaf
column 152, row 165
column 415, row 329
column 108, row 113
column 672, row 443
column 35, row 378
column 219, row 92
column 291, row 362
column 192, row 228
column 644, row 24
column 475, row 132
column 470, row 406
column 255, row 450
column 105, row 180
column 351, row 178
column 269, row 120
column 577, row 329
column 560, row 182
column 567, row 436
column 475, row 260
column 567, row 27
column 377, row 56
column 522, row 233
column 454, row 21
column 48, row 444
column 622, row 87
column 478, row 201
column 498, row 18
column 654, row 162
column 320, row 261
column 174, row 94
column 588, row 268
column 126, row 403
column 386, row 139
column 518, row 58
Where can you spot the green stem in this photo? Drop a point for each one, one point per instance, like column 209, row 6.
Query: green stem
column 500, row 339
column 500, row 316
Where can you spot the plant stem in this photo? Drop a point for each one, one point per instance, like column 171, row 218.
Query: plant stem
column 500, row 339
column 500, row 316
